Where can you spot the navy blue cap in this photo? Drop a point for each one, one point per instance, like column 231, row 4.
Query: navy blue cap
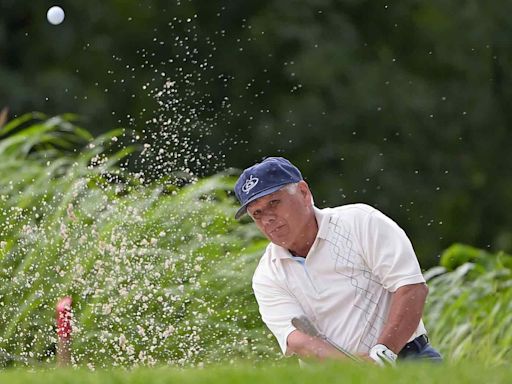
column 264, row 178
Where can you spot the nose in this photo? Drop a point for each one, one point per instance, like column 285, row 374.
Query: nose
column 268, row 218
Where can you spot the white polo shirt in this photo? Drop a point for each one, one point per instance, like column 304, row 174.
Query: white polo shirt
column 344, row 285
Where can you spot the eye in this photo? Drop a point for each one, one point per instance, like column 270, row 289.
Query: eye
column 256, row 214
column 274, row 202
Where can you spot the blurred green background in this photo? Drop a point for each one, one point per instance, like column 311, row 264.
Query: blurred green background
column 402, row 105
column 118, row 193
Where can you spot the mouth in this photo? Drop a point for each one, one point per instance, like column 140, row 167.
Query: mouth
column 276, row 230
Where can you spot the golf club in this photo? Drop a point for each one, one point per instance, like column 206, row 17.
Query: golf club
column 304, row 325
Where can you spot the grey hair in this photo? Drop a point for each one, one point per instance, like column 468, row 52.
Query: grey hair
column 293, row 188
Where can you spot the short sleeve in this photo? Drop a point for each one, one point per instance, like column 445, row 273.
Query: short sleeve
column 389, row 252
column 277, row 308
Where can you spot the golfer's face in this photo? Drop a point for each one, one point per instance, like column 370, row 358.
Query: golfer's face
column 279, row 215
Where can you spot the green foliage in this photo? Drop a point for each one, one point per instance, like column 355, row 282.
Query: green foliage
column 469, row 309
column 459, row 254
column 156, row 273
column 404, row 106
column 161, row 274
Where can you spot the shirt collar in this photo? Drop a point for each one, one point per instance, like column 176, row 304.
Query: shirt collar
column 322, row 218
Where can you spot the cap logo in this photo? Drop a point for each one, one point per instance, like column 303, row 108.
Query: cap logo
column 249, row 184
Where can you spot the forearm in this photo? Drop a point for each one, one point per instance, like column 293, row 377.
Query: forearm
column 404, row 316
column 306, row 346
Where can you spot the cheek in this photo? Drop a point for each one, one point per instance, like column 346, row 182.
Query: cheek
column 287, row 214
column 261, row 227
column 294, row 216
column 291, row 212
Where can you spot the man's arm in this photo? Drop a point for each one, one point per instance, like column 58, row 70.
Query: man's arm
column 404, row 316
column 306, row 346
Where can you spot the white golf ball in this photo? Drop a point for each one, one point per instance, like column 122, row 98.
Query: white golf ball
column 55, row 15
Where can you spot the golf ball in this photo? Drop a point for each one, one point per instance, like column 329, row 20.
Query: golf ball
column 55, row 15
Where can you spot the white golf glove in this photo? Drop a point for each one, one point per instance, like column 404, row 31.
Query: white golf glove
column 382, row 355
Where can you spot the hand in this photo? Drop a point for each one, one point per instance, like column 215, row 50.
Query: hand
column 382, row 355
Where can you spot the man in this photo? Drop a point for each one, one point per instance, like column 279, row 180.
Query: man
column 350, row 270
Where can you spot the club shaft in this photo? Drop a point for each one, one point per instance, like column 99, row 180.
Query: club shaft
column 304, row 325
column 341, row 349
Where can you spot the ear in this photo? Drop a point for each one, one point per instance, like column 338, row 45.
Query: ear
column 304, row 190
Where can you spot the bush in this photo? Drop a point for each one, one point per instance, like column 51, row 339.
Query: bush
column 157, row 273
column 469, row 310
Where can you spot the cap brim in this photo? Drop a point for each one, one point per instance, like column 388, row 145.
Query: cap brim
column 243, row 209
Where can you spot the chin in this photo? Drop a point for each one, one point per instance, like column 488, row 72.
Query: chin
column 280, row 242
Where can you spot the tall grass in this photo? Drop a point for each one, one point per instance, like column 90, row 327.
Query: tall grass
column 157, row 273
column 469, row 310
column 161, row 274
